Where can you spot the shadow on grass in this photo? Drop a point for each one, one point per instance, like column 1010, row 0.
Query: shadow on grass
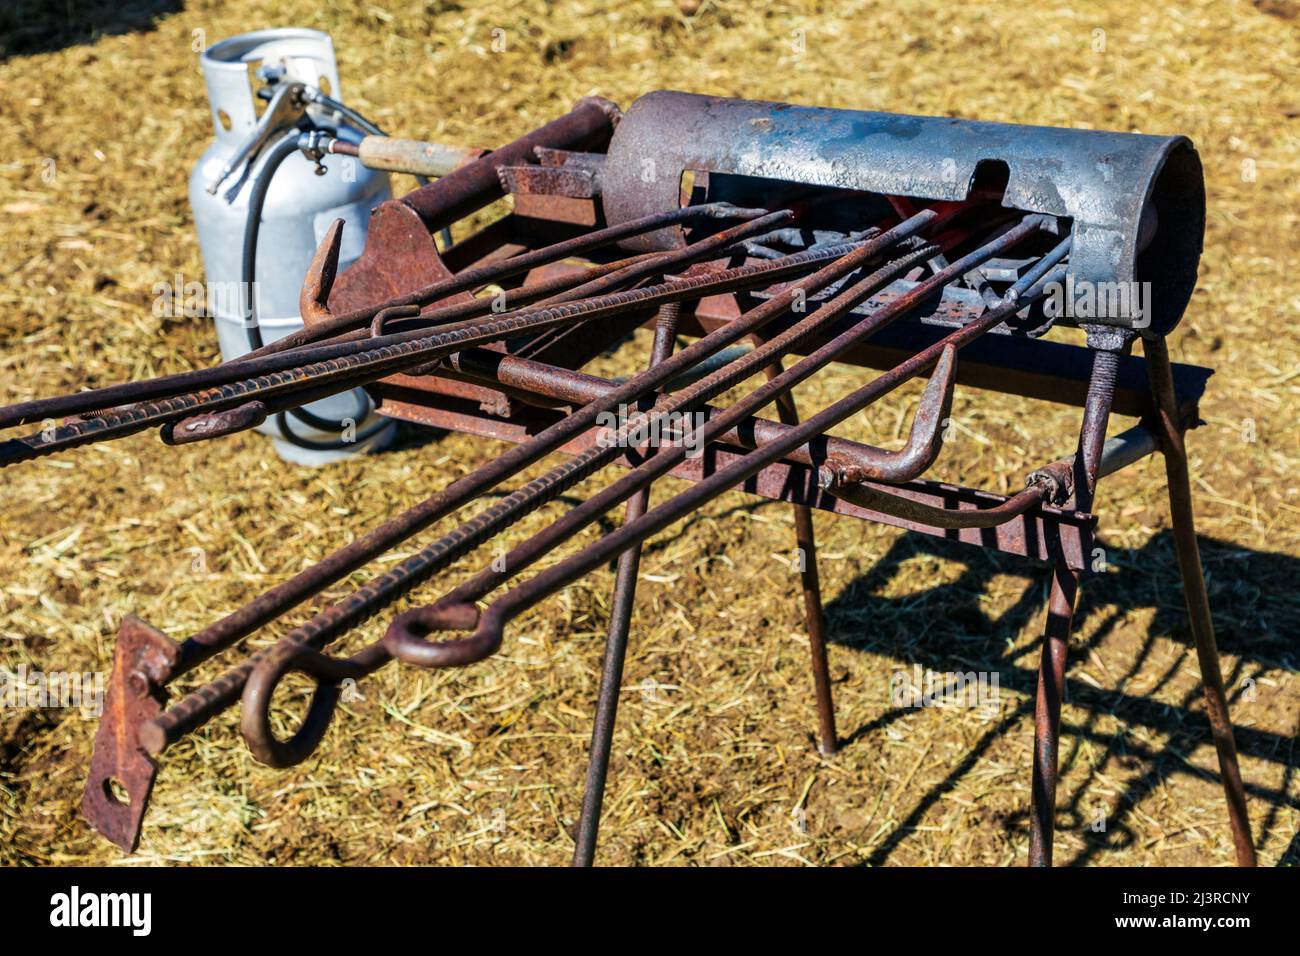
column 947, row 628
column 43, row 26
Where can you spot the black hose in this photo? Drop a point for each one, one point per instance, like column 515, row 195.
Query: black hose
column 286, row 146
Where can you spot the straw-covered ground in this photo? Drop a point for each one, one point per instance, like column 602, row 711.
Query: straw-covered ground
column 104, row 113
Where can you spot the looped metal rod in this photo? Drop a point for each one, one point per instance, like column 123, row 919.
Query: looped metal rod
column 407, row 636
column 327, row 672
column 548, row 486
column 201, row 705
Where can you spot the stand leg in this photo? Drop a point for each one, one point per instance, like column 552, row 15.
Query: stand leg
column 813, row 612
column 620, row 622
column 1198, row 602
column 1060, row 614
column 1047, row 713
column 611, row 681
column 815, row 621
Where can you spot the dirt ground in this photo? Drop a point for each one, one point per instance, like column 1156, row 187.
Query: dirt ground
column 713, row 762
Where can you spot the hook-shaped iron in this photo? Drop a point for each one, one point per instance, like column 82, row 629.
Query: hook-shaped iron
column 392, row 312
column 406, row 638
column 255, row 707
column 924, row 441
column 313, row 300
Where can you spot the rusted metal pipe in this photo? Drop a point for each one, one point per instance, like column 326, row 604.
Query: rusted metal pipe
column 589, row 125
column 1195, row 596
column 200, row 706
column 840, row 462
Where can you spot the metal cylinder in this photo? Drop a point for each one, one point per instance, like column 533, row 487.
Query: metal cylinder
column 299, row 207
column 1136, row 203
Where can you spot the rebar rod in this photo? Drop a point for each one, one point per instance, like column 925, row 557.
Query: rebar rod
column 479, row 276
column 201, row 705
column 403, row 640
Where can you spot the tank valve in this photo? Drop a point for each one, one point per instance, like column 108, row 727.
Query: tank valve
column 285, row 109
column 315, row 144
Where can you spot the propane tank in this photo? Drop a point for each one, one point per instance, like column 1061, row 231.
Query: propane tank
column 300, row 204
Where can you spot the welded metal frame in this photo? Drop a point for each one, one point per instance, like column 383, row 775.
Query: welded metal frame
column 403, row 323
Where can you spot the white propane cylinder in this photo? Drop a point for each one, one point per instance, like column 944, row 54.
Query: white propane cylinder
column 299, row 207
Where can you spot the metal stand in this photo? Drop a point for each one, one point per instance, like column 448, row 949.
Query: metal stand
column 1170, row 431
column 620, row 619
column 1065, row 583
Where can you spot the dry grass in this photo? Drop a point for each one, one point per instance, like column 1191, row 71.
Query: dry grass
column 712, row 761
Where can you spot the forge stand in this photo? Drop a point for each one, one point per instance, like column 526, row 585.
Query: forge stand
column 569, row 267
column 1164, row 395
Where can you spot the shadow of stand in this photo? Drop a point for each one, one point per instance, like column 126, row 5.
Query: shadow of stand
column 39, row 26
column 1254, row 607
